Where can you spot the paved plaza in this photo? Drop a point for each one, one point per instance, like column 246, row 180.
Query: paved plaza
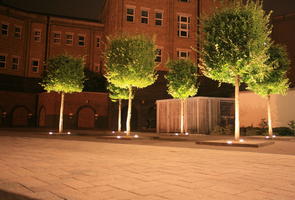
column 56, row 169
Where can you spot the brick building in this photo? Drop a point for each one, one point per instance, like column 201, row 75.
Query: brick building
column 27, row 39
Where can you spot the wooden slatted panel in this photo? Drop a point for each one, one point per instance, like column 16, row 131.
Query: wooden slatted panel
column 191, row 117
column 203, row 116
column 215, row 113
column 174, row 116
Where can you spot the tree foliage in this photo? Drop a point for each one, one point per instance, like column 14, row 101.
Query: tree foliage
column 64, row 74
column 236, row 42
column 116, row 93
column 182, row 79
column 130, row 61
column 276, row 82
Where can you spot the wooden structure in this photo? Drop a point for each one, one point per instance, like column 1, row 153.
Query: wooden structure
column 201, row 114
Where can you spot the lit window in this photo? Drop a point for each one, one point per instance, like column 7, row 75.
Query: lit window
column 144, row 16
column 56, row 37
column 130, row 13
column 183, row 54
column 37, row 35
column 17, row 32
column 15, row 63
column 2, row 61
column 158, row 18
column 81, row 40
column 4, row 29
column 35, row 66
column 69, row 39
column 97, row 42
column 158, row 55
column 183, row 26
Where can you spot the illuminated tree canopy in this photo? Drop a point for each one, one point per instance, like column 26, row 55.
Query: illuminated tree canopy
column 182, row 79
column 64, row 74
column 276, row 82
column 116, row 93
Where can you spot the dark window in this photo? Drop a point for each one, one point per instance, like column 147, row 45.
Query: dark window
column 130, row 14
column 158, row 55
column 2, row 61
column 69, row 39
column 144, row 16
column 158, row 18
column 81, row 40
column 17, row 32
column 15, row 63
column 37, row 35
column 35, row 65
column 4, row 29
column 97, row 42
column 56, row 38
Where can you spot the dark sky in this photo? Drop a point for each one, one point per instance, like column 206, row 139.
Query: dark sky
column 90, row 9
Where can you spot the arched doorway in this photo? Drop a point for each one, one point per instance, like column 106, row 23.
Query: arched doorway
column 86, row 117
column 20, row 116
column 42, row 117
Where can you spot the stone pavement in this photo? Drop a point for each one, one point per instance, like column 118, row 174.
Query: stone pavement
column 55, row 169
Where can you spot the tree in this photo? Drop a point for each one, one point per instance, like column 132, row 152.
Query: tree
column 130, row 62
column 182, row 79
column 276, row 82
column 117, row 94
column 235, row 47
column 94, row 82
column 64, row 74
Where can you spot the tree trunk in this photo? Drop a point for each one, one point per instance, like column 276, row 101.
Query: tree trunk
column 181, row 115
column 119, row 115
column 129, row 111
column 62, row 97
column 269, row 116
column 237, row 111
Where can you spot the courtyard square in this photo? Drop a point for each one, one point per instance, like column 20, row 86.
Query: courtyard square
column 56, row 169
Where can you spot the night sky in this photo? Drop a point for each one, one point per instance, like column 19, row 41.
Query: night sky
column 90, row 9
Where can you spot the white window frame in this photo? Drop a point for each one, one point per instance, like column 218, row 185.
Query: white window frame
column 20, row 31
column 147, row 10
column 5, row 61
column 7, row 29
column 84, row 40
column 13, row 63
column 36, row 66
column 159, row 19
column 181, row 23
column 71, row 40
column 130, row 15
column 180, row 51
column 36, row 37
column 55, row 39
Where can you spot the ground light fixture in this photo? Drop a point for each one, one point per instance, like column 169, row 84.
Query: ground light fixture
column 241, row 140
column 136, row 136
column 69, row 133
column 118, row 137
column 229, row 142
column 50, row 133
column 266, row 137
column 176, row 134
column 113, row 132
column 186, row 133
column 274, row 136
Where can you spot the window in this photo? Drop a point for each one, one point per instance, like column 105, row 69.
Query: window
column 97, row 42
column 15, row 63
column 158, row 18
column 158, row 55
column 17, row 32
column 35, row 66
column 130, row 13
column 2, row 61
column 37, row 35
column 4, row 29
column 183, row 26
column 182, row 54
column 144, row 17
column 69, row 39
column 81, row 40
column 56, row 37
column 184, row 0
column 97, row 68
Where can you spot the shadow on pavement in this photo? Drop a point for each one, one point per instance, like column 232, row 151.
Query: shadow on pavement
column 4, row 195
